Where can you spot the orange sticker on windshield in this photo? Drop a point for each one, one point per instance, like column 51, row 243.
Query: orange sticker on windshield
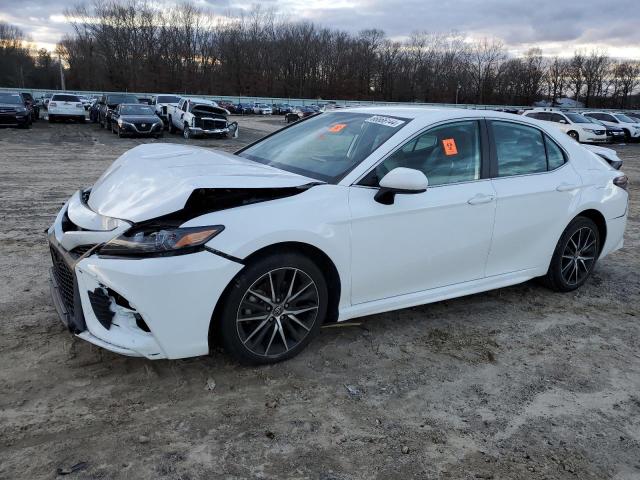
column 337, row 127
column 449, row 145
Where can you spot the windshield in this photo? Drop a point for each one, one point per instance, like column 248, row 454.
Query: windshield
column 111, row 99
column 65, row 98
column 624, row 118
column 136, row 110
column 168, row 99
column 12, row 98
column 325, row 147
column 593, row 120
column 577, row 118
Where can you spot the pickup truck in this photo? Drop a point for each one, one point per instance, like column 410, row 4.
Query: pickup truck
column 200, row 117
column 161, row 103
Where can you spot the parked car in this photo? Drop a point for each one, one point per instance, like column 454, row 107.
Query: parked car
column 243, row 108
column 262, row 109
column 630, row 126
column 86, row 102
column 575, row 125
column 281, row 108
column 161, row 103
column 634, row 115
column 32, row 106
column 108, row 104
column 230, row 107
column 299, row 112
column 614, row 134
column 609, row 155
column 13, row 111
column 64, row 106
column 198, row 117
column 330, row 219
column 134, row 119
column 45, row 99
column 94, row 111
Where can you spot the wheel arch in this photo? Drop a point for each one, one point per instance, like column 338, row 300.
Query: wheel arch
column 324, row 262
column 598, row 218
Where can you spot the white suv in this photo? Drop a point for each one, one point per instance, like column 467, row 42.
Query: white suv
column 63, row 106
column 631, row 126
column 575, row 125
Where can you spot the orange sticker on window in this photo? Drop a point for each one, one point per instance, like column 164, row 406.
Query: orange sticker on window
column 337, row 127
column 449, row 145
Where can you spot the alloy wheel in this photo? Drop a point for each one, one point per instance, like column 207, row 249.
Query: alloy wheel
column 579, row 256
column 277, row 312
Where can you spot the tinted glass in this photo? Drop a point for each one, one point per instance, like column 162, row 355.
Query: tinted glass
column 11, row 98
column 556, row 117
column 446, row 154
column 136, row 110
column 168, row 99
column 111, row 99
column 327, row 146
column 624, row 118
column 65, row 98
column 519, row 149
column 555, row 155
column 577, row 118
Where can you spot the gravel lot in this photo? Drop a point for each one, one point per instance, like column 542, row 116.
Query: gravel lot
column 517, row 383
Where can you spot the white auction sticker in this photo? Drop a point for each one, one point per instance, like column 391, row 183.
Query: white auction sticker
column 386, row 121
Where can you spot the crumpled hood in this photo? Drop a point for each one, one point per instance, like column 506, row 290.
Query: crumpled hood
column 153, row 180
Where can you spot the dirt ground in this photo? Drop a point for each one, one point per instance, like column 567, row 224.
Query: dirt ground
column 517, row 383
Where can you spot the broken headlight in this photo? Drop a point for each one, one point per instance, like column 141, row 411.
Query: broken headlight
column 160, row 242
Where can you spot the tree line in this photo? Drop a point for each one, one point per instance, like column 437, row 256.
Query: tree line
column 135, row 46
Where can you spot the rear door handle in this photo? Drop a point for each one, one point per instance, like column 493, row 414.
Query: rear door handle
column 480, row 198
column 566, row 187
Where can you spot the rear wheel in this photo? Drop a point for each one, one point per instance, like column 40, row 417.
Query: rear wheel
column 575, row 256
column 273, row 309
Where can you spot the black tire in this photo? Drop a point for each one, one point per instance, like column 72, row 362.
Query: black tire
column 172, row 128
column 52, row 119
column 81, row 119
column 627, row 136
column 186, row 133
column 119, row 132
column 566, row 257
column 573, row 134
column 281, row 267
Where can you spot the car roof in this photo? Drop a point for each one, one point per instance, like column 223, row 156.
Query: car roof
column 433, row 114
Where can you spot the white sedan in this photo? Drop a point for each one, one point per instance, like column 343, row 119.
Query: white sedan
column 344, row 214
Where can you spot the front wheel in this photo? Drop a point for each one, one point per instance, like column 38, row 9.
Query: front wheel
column 172, row 128
column 273, row 309
column 575, row 256
column 186, row 133
column 574, row 135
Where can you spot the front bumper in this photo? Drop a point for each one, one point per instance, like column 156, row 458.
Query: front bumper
column 12, row 120
column 132, row 129
column 156, row 307
column 197, row 131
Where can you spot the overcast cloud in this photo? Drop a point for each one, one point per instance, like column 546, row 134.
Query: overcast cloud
column 557, row 26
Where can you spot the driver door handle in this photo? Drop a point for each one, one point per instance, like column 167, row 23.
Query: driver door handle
column 566, row 187
column 480, row 198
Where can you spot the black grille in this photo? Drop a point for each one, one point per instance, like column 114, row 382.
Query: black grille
column 64, row 279
column 146, row 128
column 599, row 132
column 213, row 124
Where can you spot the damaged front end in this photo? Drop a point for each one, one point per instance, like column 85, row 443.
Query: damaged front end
column 209, row 120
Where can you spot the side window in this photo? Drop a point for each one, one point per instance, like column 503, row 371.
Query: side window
column 556, row 117
column 545, row 116
column 555, row 155
column 519, row 149
column 533, row 115
column 445, row 154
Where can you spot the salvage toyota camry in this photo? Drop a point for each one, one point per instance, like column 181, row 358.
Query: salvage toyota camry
column 344, row 214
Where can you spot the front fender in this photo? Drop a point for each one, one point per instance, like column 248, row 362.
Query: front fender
column 318, row 217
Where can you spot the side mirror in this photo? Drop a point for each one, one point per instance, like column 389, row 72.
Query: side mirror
column 563, row 121
column 400, row 180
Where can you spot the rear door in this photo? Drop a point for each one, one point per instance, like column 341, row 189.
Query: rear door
column 537, row 190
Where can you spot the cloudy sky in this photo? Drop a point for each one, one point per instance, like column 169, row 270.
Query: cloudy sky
column 557, row 26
